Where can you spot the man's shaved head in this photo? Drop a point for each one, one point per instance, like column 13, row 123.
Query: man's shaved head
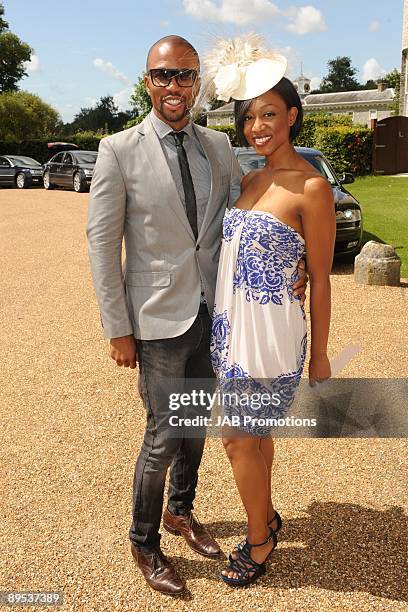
column 172, row 102
column 171, row 42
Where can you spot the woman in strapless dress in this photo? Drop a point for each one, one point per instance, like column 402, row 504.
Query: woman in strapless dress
column 259, row 336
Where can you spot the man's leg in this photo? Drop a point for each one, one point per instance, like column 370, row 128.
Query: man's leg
column 184, row 469
column 178, row 518
column 159, row 360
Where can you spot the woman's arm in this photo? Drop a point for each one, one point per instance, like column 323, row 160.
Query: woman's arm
column 319, row 227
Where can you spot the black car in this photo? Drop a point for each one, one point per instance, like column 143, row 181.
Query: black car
column 349, row 220
column 20, row 171
column 72, row 169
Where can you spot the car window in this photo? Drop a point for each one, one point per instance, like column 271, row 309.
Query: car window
column 20, row 160
column 323, row 168
column 86, row 157
column 68, row 159
column 251, row 161
column 57, row 159
column 4, row 162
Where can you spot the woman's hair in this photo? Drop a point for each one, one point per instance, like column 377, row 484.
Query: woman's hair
column 286, row 90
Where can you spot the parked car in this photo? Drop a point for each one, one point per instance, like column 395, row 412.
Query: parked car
column 20, row 171
column 72, row 169
column 349, row 221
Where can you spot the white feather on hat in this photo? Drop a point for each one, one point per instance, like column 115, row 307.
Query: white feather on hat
column 242, row 68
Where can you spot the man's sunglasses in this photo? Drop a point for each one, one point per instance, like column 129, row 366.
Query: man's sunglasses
column 161, row 77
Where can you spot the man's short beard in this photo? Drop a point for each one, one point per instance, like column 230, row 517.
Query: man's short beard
column 174, row 118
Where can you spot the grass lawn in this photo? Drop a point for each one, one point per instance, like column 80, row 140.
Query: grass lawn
column 384, row 201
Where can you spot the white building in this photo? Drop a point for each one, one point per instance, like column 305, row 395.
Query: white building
column 302, row 85
column 363, row 106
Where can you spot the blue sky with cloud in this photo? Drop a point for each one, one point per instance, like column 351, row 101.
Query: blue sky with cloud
column 85, row 49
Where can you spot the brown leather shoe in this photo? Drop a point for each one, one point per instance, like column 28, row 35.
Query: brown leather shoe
column 158, row 571
column 195, row 534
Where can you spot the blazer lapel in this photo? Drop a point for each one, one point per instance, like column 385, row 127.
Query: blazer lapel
column 211, row 154
column 152, row 149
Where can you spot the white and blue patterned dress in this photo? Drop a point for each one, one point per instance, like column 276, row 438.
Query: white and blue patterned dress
column 259, row 332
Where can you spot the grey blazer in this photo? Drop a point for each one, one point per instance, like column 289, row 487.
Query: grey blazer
column 156, row 293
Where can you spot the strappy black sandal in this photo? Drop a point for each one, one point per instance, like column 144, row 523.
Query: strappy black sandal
column 245, row 567
column 277, row 517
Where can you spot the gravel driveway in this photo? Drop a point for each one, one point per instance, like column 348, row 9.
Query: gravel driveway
column 71, row 426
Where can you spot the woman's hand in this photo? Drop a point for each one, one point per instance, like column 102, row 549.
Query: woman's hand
column 319, row 369
column 299, row 288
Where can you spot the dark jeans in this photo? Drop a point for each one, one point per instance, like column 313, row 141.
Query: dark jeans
column 184, row 357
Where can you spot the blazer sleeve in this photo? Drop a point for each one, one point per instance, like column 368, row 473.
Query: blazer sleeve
column 236, row 177
column 105, row 228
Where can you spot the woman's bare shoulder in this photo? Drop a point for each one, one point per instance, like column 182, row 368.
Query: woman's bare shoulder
column 317, row 183
column 307, row 176
column 248, row 178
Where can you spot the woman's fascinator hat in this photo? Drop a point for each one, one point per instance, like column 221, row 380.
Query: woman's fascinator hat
column 242, row 68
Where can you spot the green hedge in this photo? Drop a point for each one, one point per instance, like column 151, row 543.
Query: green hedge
column 87, row 141
column 229, row 130
column 350, row 149
column 306, row 137
column 134, row 122
column 311, row 122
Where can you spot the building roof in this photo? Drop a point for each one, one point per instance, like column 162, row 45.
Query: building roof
column 351, row 97
column 363, row 96
column 227, row 109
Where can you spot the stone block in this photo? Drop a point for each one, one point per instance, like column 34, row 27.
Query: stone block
column 377, row 264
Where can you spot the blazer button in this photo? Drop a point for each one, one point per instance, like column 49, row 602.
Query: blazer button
column 197, row 247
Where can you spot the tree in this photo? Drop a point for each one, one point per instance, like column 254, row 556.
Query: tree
column 24, row 116
column 140, row 99
column 141, row 103
column 213, row 104
column 370, row 84
column 104, row 116
column 393, row 79
column 13, row 54
column 340, row 76
column 3, row 22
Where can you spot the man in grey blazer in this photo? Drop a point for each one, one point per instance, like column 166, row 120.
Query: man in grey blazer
column 165, row 195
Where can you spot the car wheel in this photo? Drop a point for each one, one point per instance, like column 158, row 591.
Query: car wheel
column 46, row 181
column 348, row 258
column 79, row 183
column 21, row 180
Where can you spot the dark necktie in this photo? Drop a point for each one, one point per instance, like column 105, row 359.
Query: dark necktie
column 188, row 186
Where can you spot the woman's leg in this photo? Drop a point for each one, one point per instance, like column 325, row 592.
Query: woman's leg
column 251, row 477
column 267, row 449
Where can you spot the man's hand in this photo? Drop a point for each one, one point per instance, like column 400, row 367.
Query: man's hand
column 123, row 351
column 299, row 288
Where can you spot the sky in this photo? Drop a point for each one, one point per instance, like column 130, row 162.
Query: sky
column 85, row 49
